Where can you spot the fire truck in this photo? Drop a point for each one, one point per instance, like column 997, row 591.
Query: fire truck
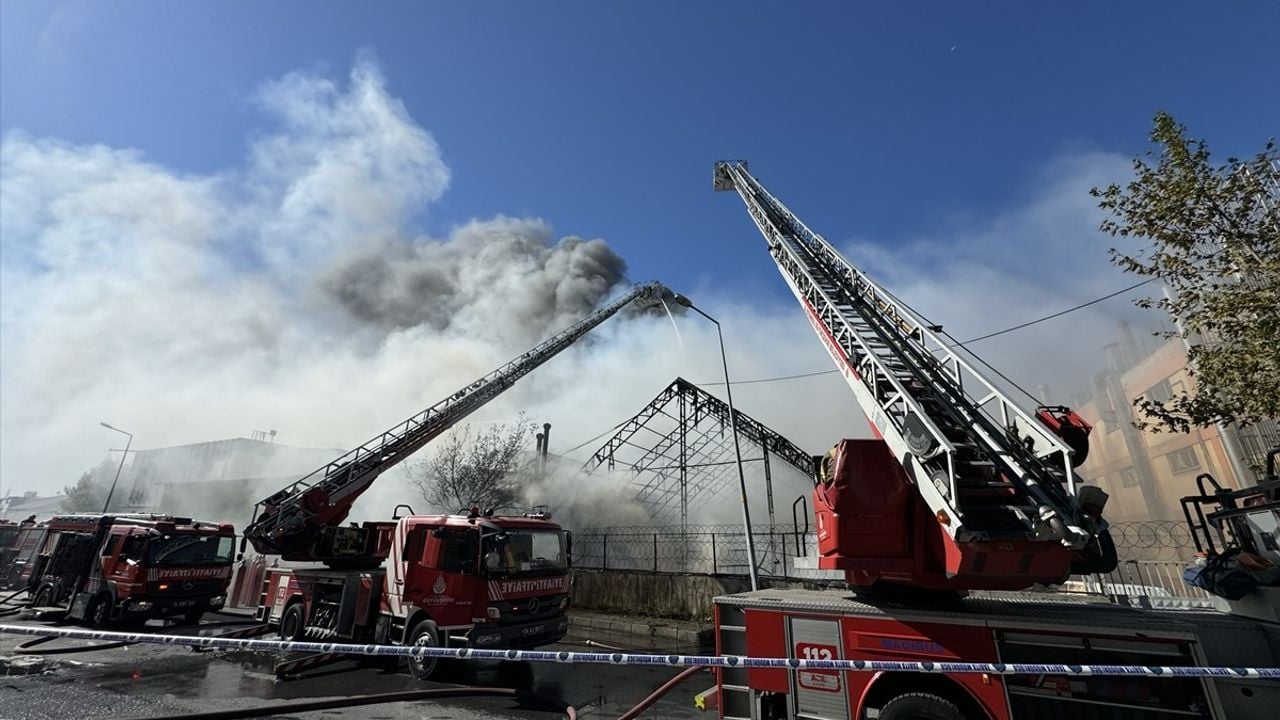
column 472, row 579
column 962, row 501
column 129, row 567
column 18, row 542
column 461, row 580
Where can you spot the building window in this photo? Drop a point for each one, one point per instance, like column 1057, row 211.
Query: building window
column 1183, row 460
column 1128, row 477
column 1160, row 392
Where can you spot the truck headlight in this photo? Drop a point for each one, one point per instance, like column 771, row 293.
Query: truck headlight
column 218, row 600
column 493, row 613
column 564, row 602
column 140, row 605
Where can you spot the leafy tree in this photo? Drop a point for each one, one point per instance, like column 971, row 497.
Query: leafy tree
column 479, row 468
column 90, row 491
column 1211, row 234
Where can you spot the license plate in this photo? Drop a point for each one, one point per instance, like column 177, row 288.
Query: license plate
column 533, row 630
column 182, row 603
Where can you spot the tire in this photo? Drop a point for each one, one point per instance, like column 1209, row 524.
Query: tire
column 99, row 615
column 1099, row 556
column 293, row 623
column 43, row 597
column 424, row 634
column 921, row 706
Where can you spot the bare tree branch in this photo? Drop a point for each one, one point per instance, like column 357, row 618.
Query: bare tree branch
column 479, row 468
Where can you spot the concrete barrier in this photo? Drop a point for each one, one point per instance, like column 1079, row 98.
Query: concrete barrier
column 664, row 595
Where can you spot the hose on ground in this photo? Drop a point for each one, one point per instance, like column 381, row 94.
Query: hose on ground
column 662, row 690
column 29, row 647
column 290, row 708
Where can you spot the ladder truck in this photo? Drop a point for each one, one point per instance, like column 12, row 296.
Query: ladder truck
column 961, row 490
column 125, row 567
column 470, row 579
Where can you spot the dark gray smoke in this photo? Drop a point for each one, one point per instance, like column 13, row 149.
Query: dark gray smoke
column 504, row 275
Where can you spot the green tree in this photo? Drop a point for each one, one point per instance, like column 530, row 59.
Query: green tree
column 1211, row 234
column 90, row 491
column 481, row 468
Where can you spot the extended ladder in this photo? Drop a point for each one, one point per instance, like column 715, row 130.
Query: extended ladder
column 289, row 521
column 986, row 468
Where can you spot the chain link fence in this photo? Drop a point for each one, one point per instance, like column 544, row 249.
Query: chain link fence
column 694, row 550
column 1152, row 555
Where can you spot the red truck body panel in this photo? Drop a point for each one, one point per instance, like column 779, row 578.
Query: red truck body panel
column 1004, row 627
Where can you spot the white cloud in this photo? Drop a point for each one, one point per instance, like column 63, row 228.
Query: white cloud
column 1029, row 261
column 290, row 292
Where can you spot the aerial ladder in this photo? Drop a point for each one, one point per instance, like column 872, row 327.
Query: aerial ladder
column 302, row 521
column 963, row 488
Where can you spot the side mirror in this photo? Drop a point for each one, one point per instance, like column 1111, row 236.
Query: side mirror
column 568, row 548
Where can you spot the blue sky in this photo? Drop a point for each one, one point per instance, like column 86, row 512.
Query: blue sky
column 198, row 200
column 882, row 121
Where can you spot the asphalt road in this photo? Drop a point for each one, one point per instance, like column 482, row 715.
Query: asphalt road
column 147, row 681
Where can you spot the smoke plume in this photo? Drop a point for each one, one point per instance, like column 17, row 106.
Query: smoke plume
column 293, row 291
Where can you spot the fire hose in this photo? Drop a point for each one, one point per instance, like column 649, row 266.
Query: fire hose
column 30, row 646
column 8, row 600
column 662, row 690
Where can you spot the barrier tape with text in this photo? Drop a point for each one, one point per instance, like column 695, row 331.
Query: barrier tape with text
column 618, row 658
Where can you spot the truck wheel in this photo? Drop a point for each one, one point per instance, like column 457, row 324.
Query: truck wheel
column 921, row 706
column 293, row 624
column 43, row 598
column 425, row 634
column 99, row 614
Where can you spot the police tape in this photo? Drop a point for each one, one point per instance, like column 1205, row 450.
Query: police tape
column 620, row 658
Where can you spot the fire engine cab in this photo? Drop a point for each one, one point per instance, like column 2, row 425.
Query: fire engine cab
column 103, row 568
column 449, row 580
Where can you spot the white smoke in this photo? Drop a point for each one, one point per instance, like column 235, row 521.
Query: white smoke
column 1036, row 258
column 291, row 292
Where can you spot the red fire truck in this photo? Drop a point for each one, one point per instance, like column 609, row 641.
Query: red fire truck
column 130, row 567
column 452, row 580
column 961, row 491
column 18, row 542
column 471, row 579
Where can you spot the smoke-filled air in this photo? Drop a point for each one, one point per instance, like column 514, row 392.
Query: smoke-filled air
column 297, row 291
column 293, row 292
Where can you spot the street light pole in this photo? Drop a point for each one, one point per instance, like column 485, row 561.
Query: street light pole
column 119, row 467
column 737, row 450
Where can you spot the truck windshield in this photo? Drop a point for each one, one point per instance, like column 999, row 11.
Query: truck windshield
column 190, row 550
column 524, row 551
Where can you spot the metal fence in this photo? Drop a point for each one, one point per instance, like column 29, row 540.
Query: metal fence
column 695, row 550
column 1152, row 555
column 1140, row 579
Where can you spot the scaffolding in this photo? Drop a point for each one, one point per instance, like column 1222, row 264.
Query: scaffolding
column 678, row 451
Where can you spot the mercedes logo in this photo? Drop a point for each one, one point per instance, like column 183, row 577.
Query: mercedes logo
column 188, row 585
column 533, row 605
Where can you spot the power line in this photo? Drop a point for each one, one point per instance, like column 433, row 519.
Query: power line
column 1060, row 313
column 961, row 344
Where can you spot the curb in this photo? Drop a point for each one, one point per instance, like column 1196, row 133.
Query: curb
column 683, row 636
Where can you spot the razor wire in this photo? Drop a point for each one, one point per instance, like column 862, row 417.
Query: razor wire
column 620, row 658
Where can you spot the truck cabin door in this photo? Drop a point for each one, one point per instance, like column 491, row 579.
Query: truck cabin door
column 451, row 575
